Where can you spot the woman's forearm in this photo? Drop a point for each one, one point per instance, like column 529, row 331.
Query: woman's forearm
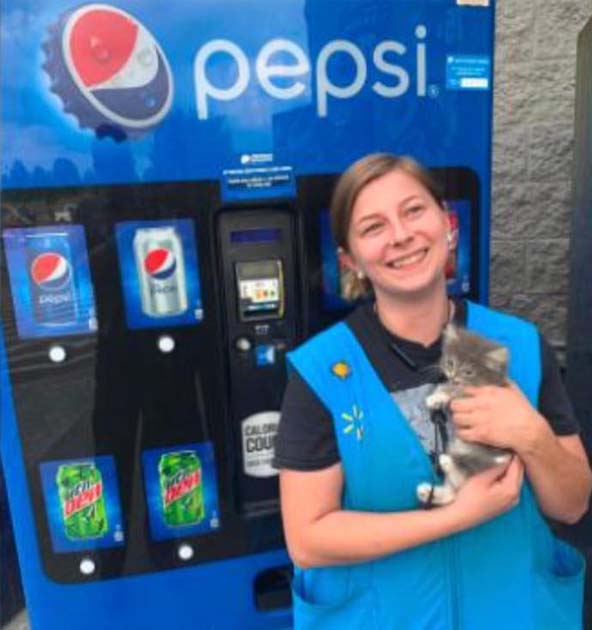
column 559, row 472
column 346, row 537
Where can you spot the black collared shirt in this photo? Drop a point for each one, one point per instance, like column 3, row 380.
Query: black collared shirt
column 306, row 438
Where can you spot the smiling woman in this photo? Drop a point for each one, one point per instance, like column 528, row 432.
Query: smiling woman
column 398, row 237
column 355, row 439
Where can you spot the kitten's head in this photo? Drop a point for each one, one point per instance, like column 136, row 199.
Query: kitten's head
column 469, row 359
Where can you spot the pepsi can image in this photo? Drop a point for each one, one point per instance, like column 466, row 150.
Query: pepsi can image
column 51, row 281
column 161, row 271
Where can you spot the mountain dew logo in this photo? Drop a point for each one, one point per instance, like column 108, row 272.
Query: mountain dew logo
column 180, row 485
column 84, row 494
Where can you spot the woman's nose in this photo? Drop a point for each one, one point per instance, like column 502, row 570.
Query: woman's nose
column 400, row 232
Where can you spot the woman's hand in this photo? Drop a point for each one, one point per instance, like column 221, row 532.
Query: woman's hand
column 498, row 416
column 488, row 494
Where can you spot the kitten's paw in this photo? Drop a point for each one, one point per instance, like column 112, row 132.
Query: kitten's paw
column 436, row 400
column 425, row 492
column 445, row 462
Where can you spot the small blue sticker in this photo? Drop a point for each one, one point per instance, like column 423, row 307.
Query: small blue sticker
column 264, row 355
column 468, row 72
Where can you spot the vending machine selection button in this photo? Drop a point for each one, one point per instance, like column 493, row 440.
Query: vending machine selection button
column 185, row 552
column 243, row 344
column 57, row 354
column 166, row 343
column 87, row 566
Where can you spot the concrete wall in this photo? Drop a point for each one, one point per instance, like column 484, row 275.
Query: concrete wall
column 532, row 158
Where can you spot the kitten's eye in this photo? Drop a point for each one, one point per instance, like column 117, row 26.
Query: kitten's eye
column 449, row 365
column 468, row 372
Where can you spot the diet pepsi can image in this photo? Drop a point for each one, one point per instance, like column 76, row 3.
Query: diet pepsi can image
column 161, row 271
column 51, row 278
column 109, row 71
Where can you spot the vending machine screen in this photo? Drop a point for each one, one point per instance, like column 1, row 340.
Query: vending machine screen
column 260, row 289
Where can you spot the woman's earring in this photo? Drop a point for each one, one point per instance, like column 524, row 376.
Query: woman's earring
column 449, row 238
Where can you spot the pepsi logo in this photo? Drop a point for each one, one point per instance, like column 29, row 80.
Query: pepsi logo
column 50, row 270
column 109, row 71
column 160, row 263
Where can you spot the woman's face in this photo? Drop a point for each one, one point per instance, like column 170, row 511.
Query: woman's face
column 398, row 236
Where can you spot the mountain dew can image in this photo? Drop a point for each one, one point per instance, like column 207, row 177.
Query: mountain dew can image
column 181, row 488
column 80, row 488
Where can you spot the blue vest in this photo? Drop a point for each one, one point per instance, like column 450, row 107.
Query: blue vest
column 507, row 573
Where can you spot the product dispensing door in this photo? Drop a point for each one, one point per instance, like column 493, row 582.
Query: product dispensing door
column 258, row 267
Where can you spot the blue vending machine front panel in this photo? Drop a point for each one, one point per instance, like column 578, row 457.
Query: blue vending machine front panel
column 166, row 177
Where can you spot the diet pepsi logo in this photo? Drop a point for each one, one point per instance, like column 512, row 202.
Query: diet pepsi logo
column 109, row 71
column 160, row 264
column 50, row 271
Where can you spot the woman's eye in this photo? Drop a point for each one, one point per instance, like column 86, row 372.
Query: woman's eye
column 372, row 228
column 414, row 210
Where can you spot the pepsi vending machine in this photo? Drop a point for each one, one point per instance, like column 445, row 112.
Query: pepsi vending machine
column 166, row 179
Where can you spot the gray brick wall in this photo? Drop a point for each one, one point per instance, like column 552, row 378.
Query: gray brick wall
column 532, row 158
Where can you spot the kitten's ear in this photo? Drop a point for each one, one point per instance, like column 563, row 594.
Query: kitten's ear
column 498, row 357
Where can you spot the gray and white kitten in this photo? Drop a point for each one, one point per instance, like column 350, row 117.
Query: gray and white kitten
column 467, row 360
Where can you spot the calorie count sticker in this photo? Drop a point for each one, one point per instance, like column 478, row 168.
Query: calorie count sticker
column 258, row 440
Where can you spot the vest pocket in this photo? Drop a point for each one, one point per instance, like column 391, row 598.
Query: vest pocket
column 344, row 608
column 558, row 591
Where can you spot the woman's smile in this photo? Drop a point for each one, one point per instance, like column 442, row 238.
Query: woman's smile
column 409, row 261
